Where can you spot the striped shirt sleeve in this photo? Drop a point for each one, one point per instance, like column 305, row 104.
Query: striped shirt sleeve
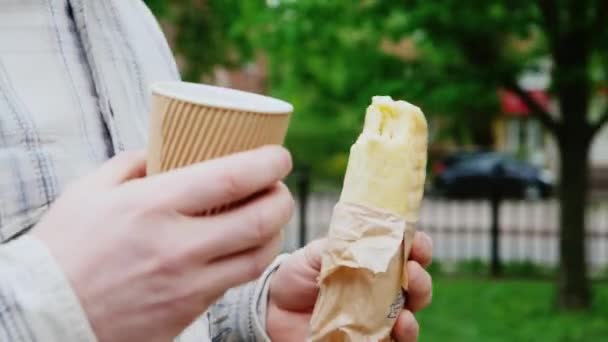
column 241, row 313
column 37, row 302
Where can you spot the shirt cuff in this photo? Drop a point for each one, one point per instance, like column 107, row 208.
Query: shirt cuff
column 259, row 306
column 240, row 315
column 42, row 296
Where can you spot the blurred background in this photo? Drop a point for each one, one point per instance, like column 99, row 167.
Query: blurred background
column 516, row 95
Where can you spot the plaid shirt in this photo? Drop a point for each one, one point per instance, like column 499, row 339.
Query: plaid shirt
column 74, row 78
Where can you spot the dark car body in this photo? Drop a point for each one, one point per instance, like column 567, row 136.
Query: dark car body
column 485, row 174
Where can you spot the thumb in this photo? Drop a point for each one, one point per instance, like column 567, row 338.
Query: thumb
column 121, row 168
column 312, row 254
column 294, row 286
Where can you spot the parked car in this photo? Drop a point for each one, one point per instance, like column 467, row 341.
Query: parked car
column 453, row 158
column 483, row 174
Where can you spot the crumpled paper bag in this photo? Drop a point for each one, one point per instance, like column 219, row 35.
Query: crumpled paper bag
column 362, row 275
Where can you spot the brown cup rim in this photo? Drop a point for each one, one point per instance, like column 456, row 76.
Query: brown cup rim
column 220, row 97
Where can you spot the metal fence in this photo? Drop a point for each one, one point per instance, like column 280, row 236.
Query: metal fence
column 461, row 229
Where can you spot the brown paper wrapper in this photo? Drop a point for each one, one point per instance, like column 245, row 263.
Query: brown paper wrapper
column 185, row 129
column 362, row 275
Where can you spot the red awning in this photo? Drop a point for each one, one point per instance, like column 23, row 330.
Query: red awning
column 512, row 105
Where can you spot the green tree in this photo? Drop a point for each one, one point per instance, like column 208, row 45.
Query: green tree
column 572, row 33
column 158, row 7
column 330, row 57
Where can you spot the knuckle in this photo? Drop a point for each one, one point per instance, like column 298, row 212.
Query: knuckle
column 166, row 265
column 253, row 271
column 230, row 184
column 284, row 159
column 425, row 248
column 146, row 208
column 169, row 261
column 286, row 206
column 420, row 289
column 146, row 249
column 288, row 199
column 416, row 275
column 164, row 248
column 312, row 253
column 144, row 211
column 260, row 262
column 410, row 327
column 261, row 226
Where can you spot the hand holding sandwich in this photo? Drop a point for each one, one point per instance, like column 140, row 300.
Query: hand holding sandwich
column 294, row 289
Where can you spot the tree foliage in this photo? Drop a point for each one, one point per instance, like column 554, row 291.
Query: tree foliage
column 329, row 57
column 326, row 57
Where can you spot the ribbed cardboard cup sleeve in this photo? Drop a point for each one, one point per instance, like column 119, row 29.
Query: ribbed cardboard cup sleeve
column 184, row 130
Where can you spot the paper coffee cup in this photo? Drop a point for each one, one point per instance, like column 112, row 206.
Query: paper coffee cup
column 192, row 122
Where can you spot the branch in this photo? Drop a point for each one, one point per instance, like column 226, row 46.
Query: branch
column 600, row 14
column 550, row 13
column 537, row 110
column 599, row 123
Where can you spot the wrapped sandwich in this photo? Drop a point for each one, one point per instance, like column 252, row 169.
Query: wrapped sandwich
column 362, row 277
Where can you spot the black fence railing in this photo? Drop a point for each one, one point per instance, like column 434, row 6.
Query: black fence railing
column 462, row 230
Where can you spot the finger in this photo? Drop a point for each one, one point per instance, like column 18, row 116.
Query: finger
column 245, row 227
column 420, row 287
column 221, row 181
column 312, row 254
column 422, row 249
column 297, row 323
column 406, row 327
column 238, row 269
column 294, row 285
column 119, row 169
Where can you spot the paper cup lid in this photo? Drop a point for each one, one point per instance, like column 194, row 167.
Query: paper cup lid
column 220, row 97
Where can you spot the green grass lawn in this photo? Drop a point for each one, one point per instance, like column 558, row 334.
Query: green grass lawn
column 475, row 309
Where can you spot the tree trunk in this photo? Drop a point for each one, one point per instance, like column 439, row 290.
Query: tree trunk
column 573, row 284
column 303, row 184
column 481, row 128
column 573, row 89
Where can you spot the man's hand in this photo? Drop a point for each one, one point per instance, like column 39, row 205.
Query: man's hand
column 293, row 292
column 141, row 261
